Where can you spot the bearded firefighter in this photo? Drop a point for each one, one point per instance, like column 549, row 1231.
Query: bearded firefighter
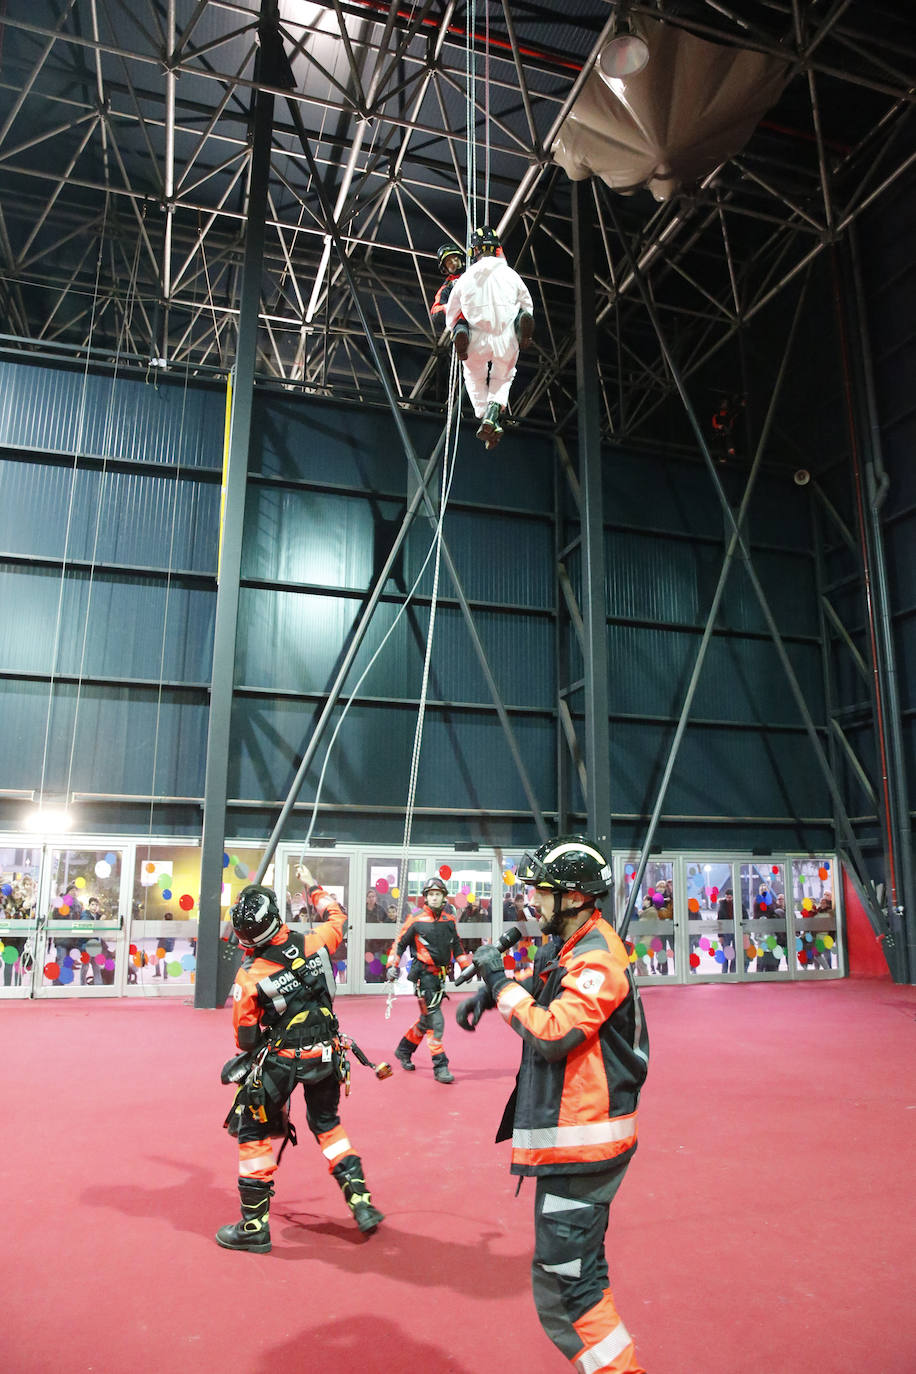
column 572, row 1116
column 287, row 1033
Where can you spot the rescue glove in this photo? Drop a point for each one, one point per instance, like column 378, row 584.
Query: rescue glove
column 488, row 962
column 472, row 1008
column 391, row 973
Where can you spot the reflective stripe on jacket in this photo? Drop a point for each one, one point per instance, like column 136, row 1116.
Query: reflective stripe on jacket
column 585, row 1055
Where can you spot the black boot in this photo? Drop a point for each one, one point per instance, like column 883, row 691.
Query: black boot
column 490, row 428
column 253, row 1231
column 404, row 1054
column 461, row 338
column 524, row 328
column 349, row 1174
column 441, row 1071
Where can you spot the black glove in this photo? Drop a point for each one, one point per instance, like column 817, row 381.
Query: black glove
column 489, row 964
column 472, row 1008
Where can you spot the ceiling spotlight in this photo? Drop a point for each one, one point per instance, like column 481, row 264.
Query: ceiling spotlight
column 625, row 53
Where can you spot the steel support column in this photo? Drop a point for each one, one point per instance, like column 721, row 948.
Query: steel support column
column 594, row 601
column 227, row 599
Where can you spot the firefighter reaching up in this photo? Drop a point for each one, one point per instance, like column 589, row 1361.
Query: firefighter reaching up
column 433, row 941
column 285, row 1027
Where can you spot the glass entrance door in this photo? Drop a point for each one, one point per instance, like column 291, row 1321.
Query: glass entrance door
column 20, row 872
column 83, row 904
column 469, row 880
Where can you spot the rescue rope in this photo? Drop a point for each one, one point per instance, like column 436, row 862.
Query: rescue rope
column 126, row 320
column 78, row 444
column 472, row 203
column 447, row 476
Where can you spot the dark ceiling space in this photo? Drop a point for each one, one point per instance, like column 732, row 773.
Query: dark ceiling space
column 124, row 161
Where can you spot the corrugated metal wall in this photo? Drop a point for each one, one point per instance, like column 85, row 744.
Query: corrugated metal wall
column 109, row 507
column 888, row 268
column 107, row 485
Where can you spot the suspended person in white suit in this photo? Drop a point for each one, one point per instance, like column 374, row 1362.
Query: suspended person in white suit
column 489, row 314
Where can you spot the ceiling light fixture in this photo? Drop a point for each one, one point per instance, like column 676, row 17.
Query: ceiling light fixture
column 626, row 52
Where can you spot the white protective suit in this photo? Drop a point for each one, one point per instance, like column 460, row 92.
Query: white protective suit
column 489, row 296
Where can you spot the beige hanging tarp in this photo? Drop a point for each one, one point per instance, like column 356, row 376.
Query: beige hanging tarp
column 693, row 106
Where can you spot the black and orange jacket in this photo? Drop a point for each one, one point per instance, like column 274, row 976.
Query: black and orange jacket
column 268, row 993
column 432, row 940
column 585, row 1055
column 440, row 301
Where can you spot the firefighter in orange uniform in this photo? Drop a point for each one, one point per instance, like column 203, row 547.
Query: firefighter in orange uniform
column 433, row 941
column 285, row 1026
column 572, row 1117
column 450, row 259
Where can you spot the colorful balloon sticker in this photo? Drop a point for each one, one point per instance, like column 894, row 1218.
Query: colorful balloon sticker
column 396, row 892
column 103, row 869
column 188, row 962
column 693, row 905
column 704, row 943
column 149, row 867
column 80, row 883
column 381, row 885
column 822, row 872
column 694, row 961
column 776, row 869
column 509, row 877
column 63, row 910
column 173, row 969
column 111, row 858
column 186, row 902
column 67, row 900
column 445, row 872
column 10, row 954
column 7, row 889
column 52, row 971
column 225, row 860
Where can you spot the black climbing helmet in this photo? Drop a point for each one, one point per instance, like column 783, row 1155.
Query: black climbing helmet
column 484, row 243
column 449, row 250
column 256, row 916
column 436, row 884
column 570, row 863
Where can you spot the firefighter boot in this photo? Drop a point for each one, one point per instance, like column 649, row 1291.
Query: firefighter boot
column 524, row 328
column 253, row 1231
column 461, row 338
column 490, row 428
column 441, row 1071
column 403, row 1054
column 349, row 1174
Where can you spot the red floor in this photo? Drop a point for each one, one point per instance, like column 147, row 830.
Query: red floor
column 765, row 1226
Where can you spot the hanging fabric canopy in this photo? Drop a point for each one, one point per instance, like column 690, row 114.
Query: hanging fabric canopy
column 691, row 107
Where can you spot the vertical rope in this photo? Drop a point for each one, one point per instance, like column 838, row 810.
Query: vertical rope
column 81, row 420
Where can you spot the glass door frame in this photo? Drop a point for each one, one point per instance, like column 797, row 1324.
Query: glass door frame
column 50, row 928
column 786, row 859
